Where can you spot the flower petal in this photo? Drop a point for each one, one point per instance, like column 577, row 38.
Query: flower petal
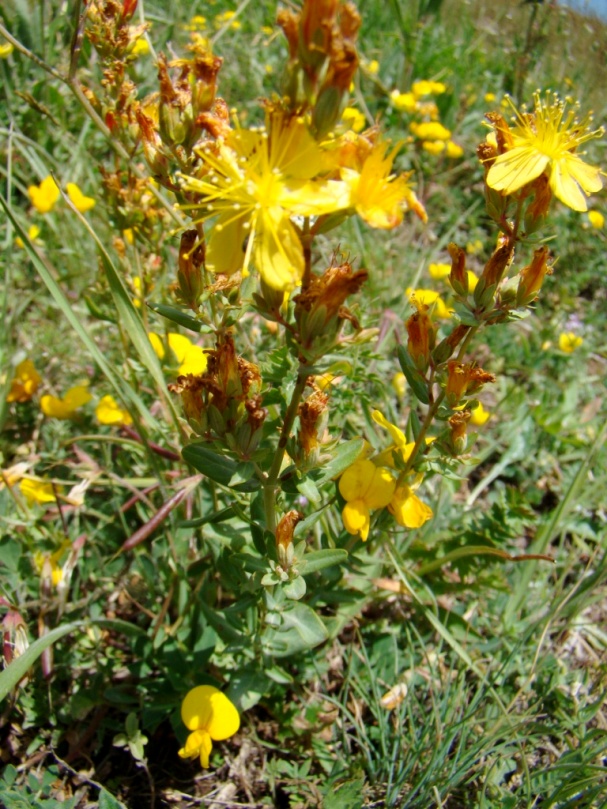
column 357, row 518
column 515, row 168
column 225, row 719
column 278, row 254
column 226, row 245
column 196, row 707
column 569, row 175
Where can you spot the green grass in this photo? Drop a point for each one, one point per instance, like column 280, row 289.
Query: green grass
column 503, row 658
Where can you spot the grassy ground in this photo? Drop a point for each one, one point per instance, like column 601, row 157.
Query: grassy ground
column 495, row 668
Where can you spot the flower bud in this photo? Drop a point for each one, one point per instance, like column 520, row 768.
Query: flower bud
column 189, row 272
column 420, row 330
column 458, row 424
column 532, row 277
column 458, row 277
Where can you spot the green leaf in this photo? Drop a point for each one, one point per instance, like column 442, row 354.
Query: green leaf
column 214, row 466
column 345, row 456
column 180, row 317
column 347, row 795
column 301, row 629
column 108, row 801
column 122, row 389
column 414, row 377
column 295, row 589
column 19, row 667
column 317, row 560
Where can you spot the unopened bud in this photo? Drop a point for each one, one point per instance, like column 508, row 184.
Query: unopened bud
column 189, row 273
column 458, row 424
column 420, row 330
column 458, row 277
column 532, row 277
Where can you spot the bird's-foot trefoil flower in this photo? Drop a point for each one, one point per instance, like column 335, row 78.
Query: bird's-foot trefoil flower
column 66, row 407
column 365, row 487
column 45, row 195
column 546, row 140
column 211, row 717
column 80, row 202
column 108, row 411
column 25, row 382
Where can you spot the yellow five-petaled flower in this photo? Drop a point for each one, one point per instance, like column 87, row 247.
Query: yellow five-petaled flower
column 545, row 141
column 211, row 717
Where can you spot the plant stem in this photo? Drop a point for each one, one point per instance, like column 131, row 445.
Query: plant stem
column 269, row 493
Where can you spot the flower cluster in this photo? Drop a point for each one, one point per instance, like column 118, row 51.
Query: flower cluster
column 423, row 114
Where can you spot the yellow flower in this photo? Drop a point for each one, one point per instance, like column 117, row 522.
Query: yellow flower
column 377, row 195
column 191, row 358
column 255, row 182
column 434, row 147
column 365, row 487
column 211, row 717
column 399, row 384
column 140, row 47
column 65, row 408
column 37, row 491
column 431, row 299
column 400, row 439
column 545, row 141
column 108, row 411
column 373, row 67
column 490, row 98
column 25, row 382
column 227, row 17
column 6, row 48
column 430, row 130
column 48, row 565
column 45, row 195
column 438, row 271
column 472, row 248
column 425, row 88
column 354, row 119
column 81, row 203
column 479, row 415
column 33, row 232
column 454, row 150
column 403, row 101
column 569, row 341
column 408, row 510
column 596, row 219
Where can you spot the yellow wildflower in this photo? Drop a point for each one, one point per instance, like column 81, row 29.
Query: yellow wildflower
column 365, row 487
column 25, row 382
column 33, row 232
column 211, row 717
column 408, row 510
column 399, row 384
column 434, row 147
column 596, row 219
column 256, row 181
column 425, row 88
column 37, row 491
column 377, row 195
column 354, row 119
column 472, row 248
column 6, row 48
column 48, row 565
column 490, row 98
column 65, row 408
column 139, row 48
column 479, row 415
column 227, row 17
column 108, row 411
column 545, row 141
column 430, row 130
column 404, row 447
column 454, row 150
column 403, row 101
column 569, row 341
column 45, row 195
column 438, row 271
column 77, row 198
column 191, row 358
column 373, row 67
column 431, row 299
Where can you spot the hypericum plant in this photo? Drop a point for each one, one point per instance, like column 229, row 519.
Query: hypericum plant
column 258, row 199
column 254, row 204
